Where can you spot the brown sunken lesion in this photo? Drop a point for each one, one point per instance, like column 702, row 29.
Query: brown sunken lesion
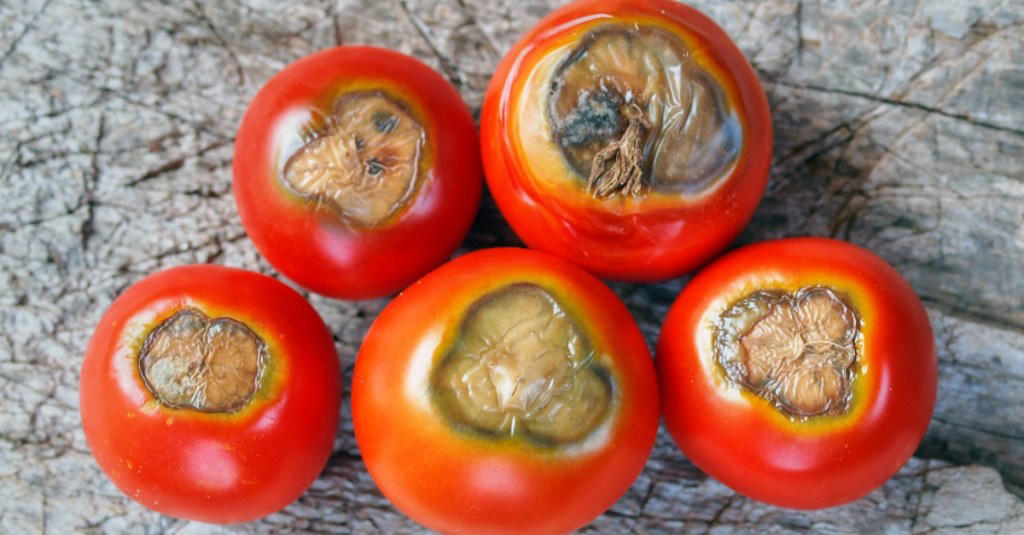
column 522, row 367
column 632, row 111
column 796, row 350
column 365, row 162
column 192, row 362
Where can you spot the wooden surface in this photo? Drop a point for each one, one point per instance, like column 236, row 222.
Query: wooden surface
column 899, row 126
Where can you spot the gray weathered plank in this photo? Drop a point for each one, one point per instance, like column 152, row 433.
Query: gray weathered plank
column 897, row 124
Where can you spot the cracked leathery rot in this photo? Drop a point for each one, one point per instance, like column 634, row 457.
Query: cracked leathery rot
column 522, row 367
column 795, row 350
column 192, row 362
column 365, row 162
column 632, row 111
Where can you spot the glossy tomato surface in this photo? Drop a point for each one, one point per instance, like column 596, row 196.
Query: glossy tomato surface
column 455, row 478
column 750, row 444
column 227, row 466
column 664, row 232
column 324, row 243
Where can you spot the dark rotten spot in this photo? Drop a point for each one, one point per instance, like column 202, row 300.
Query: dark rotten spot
column 596, row 117
column 384, row 122
column 374, row 166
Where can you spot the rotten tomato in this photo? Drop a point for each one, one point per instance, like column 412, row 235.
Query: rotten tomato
column 631, row 137
column 211, row 393
column 799, row 372
column 356, row 171
column 508, row 391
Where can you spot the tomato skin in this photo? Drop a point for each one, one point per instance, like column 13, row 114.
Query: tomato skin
column 816, row 463
column 307, row 242
column 212, row 467
column 640, row 241
column 456, row 483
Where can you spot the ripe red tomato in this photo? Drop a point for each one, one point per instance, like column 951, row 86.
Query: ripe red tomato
column 799, row 372
column 211, row 393
column 629, row 136
column 356, row 171
column 506, row 392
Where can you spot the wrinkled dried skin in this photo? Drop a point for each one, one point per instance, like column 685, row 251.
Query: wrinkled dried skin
column 365, row 163
column 795, row 350
column 192, row 362
column 693, row 138
column 521, row 366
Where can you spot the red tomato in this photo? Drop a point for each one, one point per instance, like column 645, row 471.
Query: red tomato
column 598, row 150
column 506, row 392
column 853, row 383
column 211, row 393
column 356, row 171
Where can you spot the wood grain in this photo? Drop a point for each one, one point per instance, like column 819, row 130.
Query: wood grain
column 898, row 126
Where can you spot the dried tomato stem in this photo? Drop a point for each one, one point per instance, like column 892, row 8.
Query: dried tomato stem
column 617, row 167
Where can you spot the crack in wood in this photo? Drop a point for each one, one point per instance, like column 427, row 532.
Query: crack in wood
column 201, row 13
column 13, row 46
column 451, row 70
column 901, row 103
column 175, row 164
column 980, row 429
column 960, row 311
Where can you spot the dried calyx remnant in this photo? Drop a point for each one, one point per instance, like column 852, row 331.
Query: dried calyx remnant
column 521, row 367
column 631, row 111
column 192, row 362
column 796, row 350
column 364, row 162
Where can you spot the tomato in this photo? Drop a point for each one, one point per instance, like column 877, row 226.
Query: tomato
column 506, row 392
column 800, row 372
column 211, row 393
column 356, row 171
column 629, row 136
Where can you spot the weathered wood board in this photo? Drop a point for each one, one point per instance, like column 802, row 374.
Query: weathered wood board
column 899, row 125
